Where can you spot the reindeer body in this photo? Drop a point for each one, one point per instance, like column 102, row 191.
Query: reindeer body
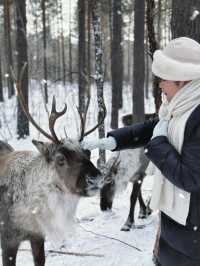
column 129, row 165
column 39, row 193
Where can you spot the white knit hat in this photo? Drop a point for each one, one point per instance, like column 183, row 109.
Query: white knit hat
column 178, row 61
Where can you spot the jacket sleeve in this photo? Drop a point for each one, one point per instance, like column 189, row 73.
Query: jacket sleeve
column 183, row 170
column 134, row 136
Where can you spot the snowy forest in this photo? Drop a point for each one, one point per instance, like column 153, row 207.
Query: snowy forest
column 94, row 56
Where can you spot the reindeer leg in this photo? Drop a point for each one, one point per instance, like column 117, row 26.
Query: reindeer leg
column 106, row 196
column 145, row 210
column 142, row 206
column 37, row 245
column 9, row 248
column 134, row 195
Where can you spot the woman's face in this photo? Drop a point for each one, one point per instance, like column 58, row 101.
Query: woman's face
column 170, row 88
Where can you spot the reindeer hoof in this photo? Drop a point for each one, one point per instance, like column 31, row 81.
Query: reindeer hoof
column 144, row 214
column 139, row 226
column 126, row 228
column 106, row 208
column 105, row 205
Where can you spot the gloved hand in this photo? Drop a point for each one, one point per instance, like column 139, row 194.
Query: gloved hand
column 103, row 144
column 161, row 128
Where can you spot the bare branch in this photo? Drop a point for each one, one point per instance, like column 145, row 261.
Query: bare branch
column 68, row 253
column 99, row 123
column 112, row 238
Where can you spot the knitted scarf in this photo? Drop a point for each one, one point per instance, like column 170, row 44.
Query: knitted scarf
column 170, row 199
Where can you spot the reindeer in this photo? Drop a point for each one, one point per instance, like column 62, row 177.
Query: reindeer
column 128, row 165
column 39, row 191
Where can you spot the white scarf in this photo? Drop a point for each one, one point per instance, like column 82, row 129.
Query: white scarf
column 167, row 197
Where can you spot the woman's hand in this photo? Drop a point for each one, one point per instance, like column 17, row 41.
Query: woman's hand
column 103, row 144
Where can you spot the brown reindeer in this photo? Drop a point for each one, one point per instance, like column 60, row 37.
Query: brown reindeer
column 39, row 192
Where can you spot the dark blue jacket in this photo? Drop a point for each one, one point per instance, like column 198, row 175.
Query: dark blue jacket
column 183, row 170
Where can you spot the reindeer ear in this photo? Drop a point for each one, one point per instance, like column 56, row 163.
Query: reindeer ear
column 42, row 147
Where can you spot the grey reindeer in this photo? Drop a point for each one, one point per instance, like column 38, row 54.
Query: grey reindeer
column 128, row 165
column 35, row 188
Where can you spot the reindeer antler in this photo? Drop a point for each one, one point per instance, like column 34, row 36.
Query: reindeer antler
column 54, row 114
column 53, row 117
column 83, row 121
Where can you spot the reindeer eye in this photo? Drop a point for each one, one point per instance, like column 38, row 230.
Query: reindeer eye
column 60, row 159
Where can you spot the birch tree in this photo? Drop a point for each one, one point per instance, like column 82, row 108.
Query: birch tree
column 99, row 72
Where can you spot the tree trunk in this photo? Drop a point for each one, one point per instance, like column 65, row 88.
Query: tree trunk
column 139, row 61
column 44, row 49
column 1, row 84
column 8, row 48
column 89, row 13
column 82, row 54
column 159, row 20
column 99, row 72
column 116, row 62
column 62, row 42
column 58, row 40
column 57, row 50
column 153, row 45
column 129, row 49
column 62, row 45
column 70, row 46
column 146, row 67
column 22, row 57
column 37, row 40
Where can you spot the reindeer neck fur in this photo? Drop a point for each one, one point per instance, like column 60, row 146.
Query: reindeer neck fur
column 37, row 203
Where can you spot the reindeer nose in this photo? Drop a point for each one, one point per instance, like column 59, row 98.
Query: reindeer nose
column 94, row 183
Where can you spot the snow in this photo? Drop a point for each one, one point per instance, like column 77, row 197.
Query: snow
column 93, row 236
column 97, row 233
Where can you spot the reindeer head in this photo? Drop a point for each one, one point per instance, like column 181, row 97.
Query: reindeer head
column 71, row 162
column 74, row 170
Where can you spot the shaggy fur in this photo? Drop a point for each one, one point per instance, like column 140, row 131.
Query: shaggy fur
column 39, row 193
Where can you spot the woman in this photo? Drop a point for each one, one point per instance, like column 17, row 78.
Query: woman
column 173, row 146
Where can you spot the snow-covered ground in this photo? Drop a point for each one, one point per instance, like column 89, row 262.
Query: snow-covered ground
column 98, row 234
column 98, row 239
